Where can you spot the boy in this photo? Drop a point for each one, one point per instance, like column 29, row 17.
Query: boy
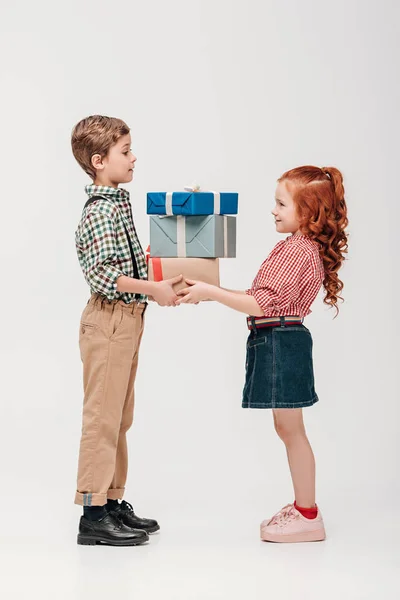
column 114, row 266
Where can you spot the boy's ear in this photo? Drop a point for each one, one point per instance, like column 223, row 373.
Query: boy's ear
column 97, row 162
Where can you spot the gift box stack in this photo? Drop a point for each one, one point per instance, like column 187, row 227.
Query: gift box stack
column 189, row 232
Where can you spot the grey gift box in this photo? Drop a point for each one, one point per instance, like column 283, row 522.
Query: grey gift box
column 203, row 236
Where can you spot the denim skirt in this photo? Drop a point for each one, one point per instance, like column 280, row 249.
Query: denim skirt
column 279, row 368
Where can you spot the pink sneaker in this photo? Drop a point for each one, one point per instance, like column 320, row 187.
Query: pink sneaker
column 289, row 525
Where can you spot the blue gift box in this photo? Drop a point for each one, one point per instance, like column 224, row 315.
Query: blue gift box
column 209, row 236
column 192, row 203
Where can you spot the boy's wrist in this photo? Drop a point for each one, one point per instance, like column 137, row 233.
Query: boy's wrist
column 152, row 287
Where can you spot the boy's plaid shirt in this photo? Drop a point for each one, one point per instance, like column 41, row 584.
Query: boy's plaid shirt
column 102, row 245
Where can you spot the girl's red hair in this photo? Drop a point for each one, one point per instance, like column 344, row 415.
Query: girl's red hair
column 321, row 208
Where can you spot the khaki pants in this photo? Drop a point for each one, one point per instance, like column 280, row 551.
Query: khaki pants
column 109, row 340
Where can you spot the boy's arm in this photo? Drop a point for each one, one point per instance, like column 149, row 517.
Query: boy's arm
column 161, row 291
column 98, row 242
column 135, row 286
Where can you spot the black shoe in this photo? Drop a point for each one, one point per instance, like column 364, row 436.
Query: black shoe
column 109, row 530
column 127, row 514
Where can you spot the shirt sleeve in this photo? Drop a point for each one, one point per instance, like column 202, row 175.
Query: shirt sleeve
column 278, row 283
column 98, row 242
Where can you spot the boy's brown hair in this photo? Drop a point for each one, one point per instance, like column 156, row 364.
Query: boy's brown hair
column 95, row 135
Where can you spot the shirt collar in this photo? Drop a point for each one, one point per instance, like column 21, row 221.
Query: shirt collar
column 117, row 194
column 295, row 236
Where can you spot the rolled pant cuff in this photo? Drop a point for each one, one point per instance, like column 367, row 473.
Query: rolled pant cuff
column 115, row 494
column 90, row 499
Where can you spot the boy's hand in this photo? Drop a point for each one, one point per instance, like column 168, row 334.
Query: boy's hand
column 194, row 294
column 164, row 293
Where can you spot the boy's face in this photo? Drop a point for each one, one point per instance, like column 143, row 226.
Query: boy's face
column 118, row 166
column 286, row 219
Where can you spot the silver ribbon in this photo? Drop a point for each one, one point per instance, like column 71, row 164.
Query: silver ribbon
column 225, row 236
column 181, row 235
column 168, row 204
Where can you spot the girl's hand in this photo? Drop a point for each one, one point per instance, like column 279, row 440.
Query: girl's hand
column 194, row 294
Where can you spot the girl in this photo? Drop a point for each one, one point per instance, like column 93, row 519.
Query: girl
column 310, row 206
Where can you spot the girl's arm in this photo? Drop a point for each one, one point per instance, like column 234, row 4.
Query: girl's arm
column 238, row 300
column 276, row 287
column 233, row 291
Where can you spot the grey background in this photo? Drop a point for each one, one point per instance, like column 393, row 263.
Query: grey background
column 230, row 96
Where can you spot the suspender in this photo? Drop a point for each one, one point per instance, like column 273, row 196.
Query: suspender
column 134, row 263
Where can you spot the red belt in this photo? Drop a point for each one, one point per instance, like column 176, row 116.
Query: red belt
column 260, row 322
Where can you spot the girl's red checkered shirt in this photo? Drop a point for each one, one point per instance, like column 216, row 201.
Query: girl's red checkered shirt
column 290, row 278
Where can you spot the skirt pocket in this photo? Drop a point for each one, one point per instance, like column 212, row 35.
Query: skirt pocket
column 258, row 385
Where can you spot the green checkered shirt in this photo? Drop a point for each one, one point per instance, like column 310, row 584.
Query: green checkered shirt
column 102, row 245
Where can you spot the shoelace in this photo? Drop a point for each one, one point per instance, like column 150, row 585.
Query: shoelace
column 125, row 506
column 284, row 516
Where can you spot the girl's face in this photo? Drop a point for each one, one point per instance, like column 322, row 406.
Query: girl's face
column 285, row 210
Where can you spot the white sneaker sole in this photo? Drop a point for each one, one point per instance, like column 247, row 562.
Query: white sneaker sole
column 307, row 536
